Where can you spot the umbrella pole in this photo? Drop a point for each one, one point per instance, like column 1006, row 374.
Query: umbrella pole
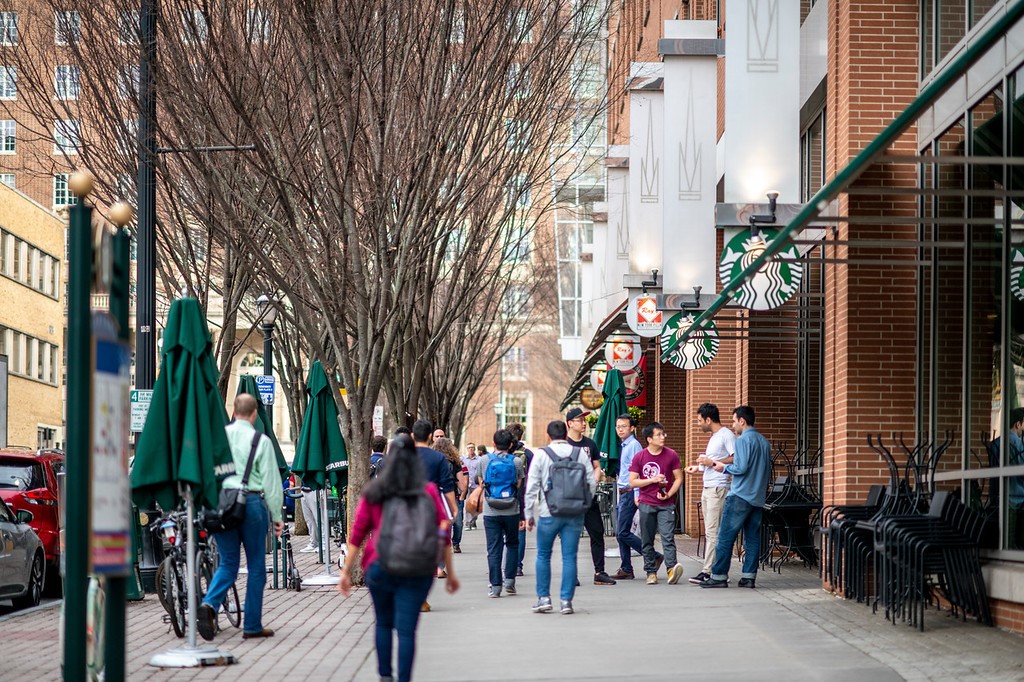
column 320, row 525
column 190, row 655
column 324, row 579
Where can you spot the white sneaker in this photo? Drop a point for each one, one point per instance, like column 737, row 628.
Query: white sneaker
column 308, row 549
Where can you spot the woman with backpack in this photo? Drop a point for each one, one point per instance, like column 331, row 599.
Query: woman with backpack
column 402, row 521
column 459, row 472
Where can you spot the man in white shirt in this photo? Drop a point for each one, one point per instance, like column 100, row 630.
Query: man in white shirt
column 721, row 448
column 566, row 528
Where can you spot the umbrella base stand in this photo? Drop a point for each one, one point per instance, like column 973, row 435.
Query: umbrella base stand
column 320, row 581
column 192, row 657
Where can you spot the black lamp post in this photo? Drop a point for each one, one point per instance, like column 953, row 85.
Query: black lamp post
column 266, row 305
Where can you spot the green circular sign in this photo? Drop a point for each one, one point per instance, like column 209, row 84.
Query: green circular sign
column 697, row 351
column 1017, row 273
column 773, row 284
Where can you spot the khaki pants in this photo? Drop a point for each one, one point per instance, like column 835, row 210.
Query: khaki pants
column 711, row 501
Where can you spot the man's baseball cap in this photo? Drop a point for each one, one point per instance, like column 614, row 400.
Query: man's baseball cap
column 575, row 413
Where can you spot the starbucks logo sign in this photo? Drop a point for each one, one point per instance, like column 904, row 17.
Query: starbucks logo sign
column 773, row 284
column 1017, row 273
column 697, row 351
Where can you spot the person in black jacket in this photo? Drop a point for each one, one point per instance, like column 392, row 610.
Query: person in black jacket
column 576, row 422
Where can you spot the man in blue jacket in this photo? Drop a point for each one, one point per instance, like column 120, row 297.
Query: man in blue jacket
column 751, row 469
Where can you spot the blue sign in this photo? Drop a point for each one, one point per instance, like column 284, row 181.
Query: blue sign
column 265, row 384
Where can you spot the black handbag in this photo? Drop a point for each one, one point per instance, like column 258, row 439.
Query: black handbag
column 230, row 511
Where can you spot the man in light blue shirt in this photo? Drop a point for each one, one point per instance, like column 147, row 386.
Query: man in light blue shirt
column 628, row 540
column 751, row 469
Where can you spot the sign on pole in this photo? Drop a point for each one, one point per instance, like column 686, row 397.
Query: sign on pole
column 111, row 502
column 265, row 384
column 140, row 400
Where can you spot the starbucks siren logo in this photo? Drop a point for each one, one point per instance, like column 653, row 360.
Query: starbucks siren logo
column 1017, row 273
column 698, row 350
column 773, row 284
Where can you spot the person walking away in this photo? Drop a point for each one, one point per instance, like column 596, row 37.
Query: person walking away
column 524, row 455
column 265, row 482
column 437, row 471
column 576, row 423
column 471, row 462
column 502, row 474
column 402, row 522
column 744, row 504
column 647, row 472
column 377, row 447
column 626, row 506
column 559, row 490
column 721, row 447
column 447, row 448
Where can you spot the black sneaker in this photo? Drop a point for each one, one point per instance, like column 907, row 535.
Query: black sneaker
column 206, row 622
column 603, row 579
column 519, row 572
column 700, row 577
column 711, row 582
column 746, row 582
column 456, row 549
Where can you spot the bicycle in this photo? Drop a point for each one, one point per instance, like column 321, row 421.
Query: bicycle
column 292, row 579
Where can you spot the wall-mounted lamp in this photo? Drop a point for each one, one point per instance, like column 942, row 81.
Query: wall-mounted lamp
column 695, row 303
column 652, row 282
column 764, row 219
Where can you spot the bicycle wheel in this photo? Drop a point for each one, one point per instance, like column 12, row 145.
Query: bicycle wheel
column 233, row 608
column 161, row 585
column 174, row 596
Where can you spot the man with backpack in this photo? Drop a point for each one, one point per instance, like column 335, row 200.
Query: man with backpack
column 559, row 490
column 501, row 474
column 377, row 447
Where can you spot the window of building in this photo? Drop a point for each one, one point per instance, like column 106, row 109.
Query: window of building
column 17, row 353
column 516, row 302
column 519, row 26
column 517, row 135
column 513, row 364
column 128, row 28
column 47, row 437
column 128, row 81
column 62, row 195
column 67, row 27
column 518, row 85
column 457, row 30
column 8, row 179
column 54, row 366
column 8, row 141
column 194, row 26
column 31, row 264
column 517, row 248
column 517, row 193
column 8, row 82
column 812, row 158
column 257, row 24
column 5, row 252
column 17, row 259
column 67, row 81
column 39, row 281
column 66, row 136
column 515, row 409
column 8, row 28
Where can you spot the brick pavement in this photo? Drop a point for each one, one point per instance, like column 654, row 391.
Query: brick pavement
column 789, row 624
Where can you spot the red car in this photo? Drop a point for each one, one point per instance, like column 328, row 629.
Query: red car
column 28, row 480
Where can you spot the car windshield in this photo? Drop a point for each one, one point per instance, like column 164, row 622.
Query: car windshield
column 17, row 474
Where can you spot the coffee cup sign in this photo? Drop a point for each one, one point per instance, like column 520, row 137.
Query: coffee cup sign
column 622, row 353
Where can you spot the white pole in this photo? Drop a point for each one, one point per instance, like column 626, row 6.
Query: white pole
column 325, row 530
column 190, row 565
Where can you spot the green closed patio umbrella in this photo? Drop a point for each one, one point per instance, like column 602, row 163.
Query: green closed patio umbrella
column 183, row 451
column 320, row 454
column 604, row 433
column 247, row 384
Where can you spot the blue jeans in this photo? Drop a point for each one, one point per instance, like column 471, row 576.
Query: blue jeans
column 568, row 530
column 522, row 548
column 252, row 535
column 502, row 535
column 738, row 514
column 628, row 541
column 457, row 525
column 396, row 603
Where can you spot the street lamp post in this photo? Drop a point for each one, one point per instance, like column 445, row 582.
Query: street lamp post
column 266, row 306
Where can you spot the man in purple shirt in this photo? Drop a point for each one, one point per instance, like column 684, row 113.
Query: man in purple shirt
column 649, row 472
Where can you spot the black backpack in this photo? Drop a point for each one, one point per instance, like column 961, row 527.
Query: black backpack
column 566, row 491
column 408, row 542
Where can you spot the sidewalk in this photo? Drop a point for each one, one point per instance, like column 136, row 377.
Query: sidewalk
column 787, row 628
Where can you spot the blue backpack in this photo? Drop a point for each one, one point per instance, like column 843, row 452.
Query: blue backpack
column 500, row 481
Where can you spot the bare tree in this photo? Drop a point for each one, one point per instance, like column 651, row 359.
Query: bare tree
column 394, row 142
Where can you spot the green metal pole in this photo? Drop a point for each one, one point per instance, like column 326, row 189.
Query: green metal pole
column 116, row 597
column 79, row 351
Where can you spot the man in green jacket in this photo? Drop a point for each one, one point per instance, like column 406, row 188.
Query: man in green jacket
column 262, row 505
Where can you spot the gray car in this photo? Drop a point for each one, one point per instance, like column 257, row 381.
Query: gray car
column 22, row 562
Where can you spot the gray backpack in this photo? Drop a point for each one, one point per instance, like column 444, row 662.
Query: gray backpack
column 566, row 490
column 408, row 543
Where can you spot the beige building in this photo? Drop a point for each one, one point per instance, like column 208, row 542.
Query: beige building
column 32, row 248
